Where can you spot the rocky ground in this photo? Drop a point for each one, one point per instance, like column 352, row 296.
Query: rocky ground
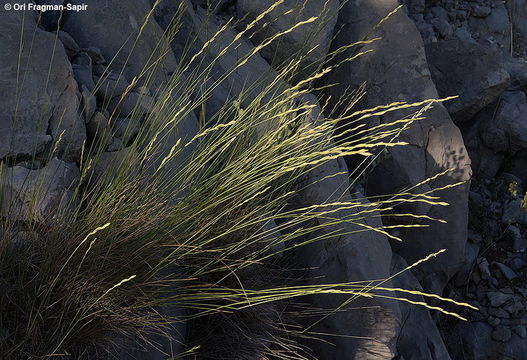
column 429, row 49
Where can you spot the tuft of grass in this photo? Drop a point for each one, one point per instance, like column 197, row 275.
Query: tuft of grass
column 197, row 224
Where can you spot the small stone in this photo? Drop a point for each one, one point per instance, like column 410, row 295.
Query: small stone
column 116, row 145
column 474, row 237
column 514, row 308
column 98, row 127
column 521, row 331
column 484, row 269
column 517, row 263
column 497, row 298
column 502, row 333
column 498, row 313
column 95, row 54
column 82, row 71
column 514, row 213
column 111, row 85
column 443, row 28
column 481, row 11
column 126, row 129
column 89, row 103
column 506, row 271
column 493, row 321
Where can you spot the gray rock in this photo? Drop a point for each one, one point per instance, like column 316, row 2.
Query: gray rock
column 95, row 54
column 69, row 43
column 89, row 104
column 481, row 11
column 503, row 126
column 116, row 145
column 514, row 212
column 521, row 331
column 397, row 70
column 519, row 21
column 471, row 255
column 132, row 105
column 114, row 27
column 493, row 321
column 507, row 271
column 33, row 116
column 419, row 338
column 311, row 40
column 82, row 70
column 43, row 195
column 111, row 85
column 498, row 313
column 100, row 129
column 471, row 71
column 517, row 69
column 497, row 298
column 50, row 20
column 495, row 27
column 443, row 27
column 125, row 128
column 502, row 333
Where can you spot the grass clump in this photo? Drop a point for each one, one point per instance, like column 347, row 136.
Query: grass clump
column 192, row 230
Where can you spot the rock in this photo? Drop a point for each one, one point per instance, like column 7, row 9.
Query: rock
column 517, row 69
column 95, row 54
column 111, row 85
column 521, row 331
column 116, row 145
column 502, row 333
column 69, row 43
column 125, row 129
column 397, row 70
column 503, row 126
column 110, row 164
column 493, row 321
column 498, row 313
column 99, row 128
column 468, row 70
column 494, row 28
column 481, row 11
column 89, row 103
column 32, row 118
column 114, row 27
column 497, row 298
column 443, row 28
column 518, row 242
column 132, row 105
column 471, row 255
column 514, row 212
column 45, row 195
column 311, row 40
column 419, row 338
column 82, row 70
column 519, row 22
column 506, row 271
column 474, row 237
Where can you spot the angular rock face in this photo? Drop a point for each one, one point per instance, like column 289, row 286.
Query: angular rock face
column 346, row 258
column 39, row 101
column 43, row 196
column 472, row 71
column 311, row 40
column 419, row 338
column 397, row 71
column 116, row 27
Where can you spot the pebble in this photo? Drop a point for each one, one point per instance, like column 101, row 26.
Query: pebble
column 502, row 333
column 497, row 298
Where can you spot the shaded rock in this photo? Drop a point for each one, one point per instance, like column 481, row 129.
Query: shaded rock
column 34, row 116
column 507, row 271
column 497, row 298
column 514, row 212
column 503, row 125
column 419, row 337
column 44, row 195
column 125, row 129
column 310, row 40
column 397, row 70
column 521, row 331
column 468, row 70
column 471, row 255
column 69, row 43
column 518, row 17
column 50, row 20
column 116, row 145
column 494, row 28
column 82, row 70
column 99, row 128
column 132, row 105
column 502, row 333
column 114, row 27
column 89, row 103
column 111, row 85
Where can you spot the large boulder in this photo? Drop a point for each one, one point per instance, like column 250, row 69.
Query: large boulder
column 44, row 196
column 472, row 71
column 39, row 99
column 128, row 37
column 365, row 328
column 419, row 337
column 310, row 41
column 397, row 70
